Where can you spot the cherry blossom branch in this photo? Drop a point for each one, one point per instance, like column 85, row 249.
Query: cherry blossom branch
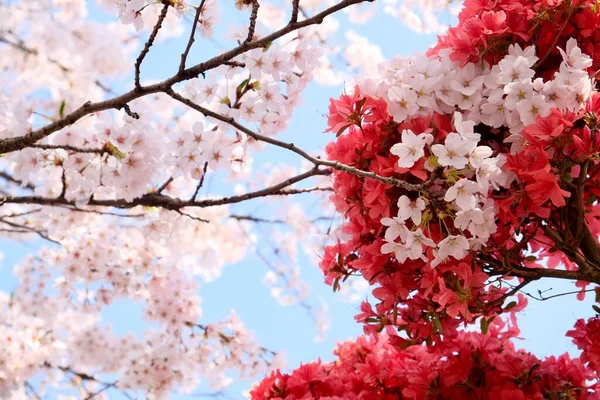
column 317, row 161
column 149, row 43
column 271, row 221
column 32, row 390
column 295, row 10
column 170, row 203
column 69, row 148
column 17, row 143
column 164, row 185
column 201, row 182
column 253, row 17
column 191, row 40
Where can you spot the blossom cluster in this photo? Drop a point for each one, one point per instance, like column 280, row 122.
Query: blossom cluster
column 478, row 144
column 470, row 366
column 63, row 335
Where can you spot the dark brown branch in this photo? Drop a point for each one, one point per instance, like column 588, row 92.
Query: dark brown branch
column 539, row 273
column 164, row 185
column 253, row 17
column 68, row 148
column 128, row 111
column 170, row 203
column 585, row 264
column 32, row 390
column 512, row 292
column 192, row 35
column 235, row 64
column 287, row 192
column 149, row 43
column 256, row 219
column 201, row 182
column 295, row 9
column 21, row 142
column 192, row 217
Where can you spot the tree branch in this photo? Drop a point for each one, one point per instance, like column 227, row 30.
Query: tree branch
column 170, row 203
column 295, row 9
column 253, row 17
column 201, row 182
column 21, row 142
column 191, row 39
column 291, row 147
column 149, row 43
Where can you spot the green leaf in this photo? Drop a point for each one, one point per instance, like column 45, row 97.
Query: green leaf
column 266, row 46
column 484, row 324
column 336, row 284
column 597, row 290
column 225, row 100
column 239, row 91
column 341, row 131
column 433, row 161
column 361, row 103
column 530, row 258
column 510, row 305
column 61, row 109
column 113, row 151
column 437, row 324
column 596, row 308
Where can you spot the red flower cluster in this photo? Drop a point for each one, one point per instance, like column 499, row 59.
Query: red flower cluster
column 556, row 152
column 490, row 175
column 414, row 297
column 470, row 366
column 486, row 29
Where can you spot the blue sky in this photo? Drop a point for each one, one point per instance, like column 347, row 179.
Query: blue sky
column 289, row 329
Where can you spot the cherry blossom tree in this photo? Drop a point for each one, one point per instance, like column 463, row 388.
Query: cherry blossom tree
column 456, row 178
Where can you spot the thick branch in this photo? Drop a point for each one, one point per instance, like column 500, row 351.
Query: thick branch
column 170, row 203
column 539, row 273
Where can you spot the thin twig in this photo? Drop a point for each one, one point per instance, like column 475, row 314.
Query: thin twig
column 68, row 148
column 191, row 39
column 164, row 185
column 167, row 202
column 199, row 186
column 295, row 9
column 253, row 17
column 149, row 43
